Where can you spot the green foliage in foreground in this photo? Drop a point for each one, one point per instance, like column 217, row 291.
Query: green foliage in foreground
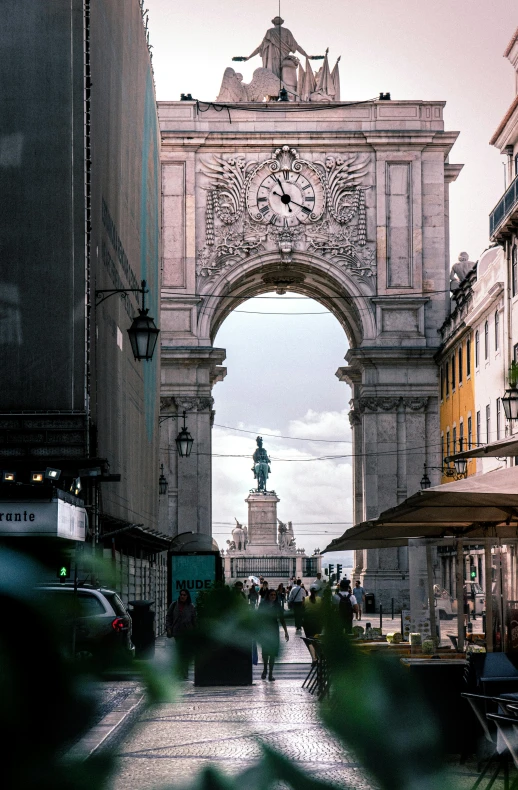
column 45, row 701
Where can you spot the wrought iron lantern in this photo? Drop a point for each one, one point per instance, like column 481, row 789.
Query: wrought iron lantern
column 143, row 333
column 184, row 441
column 510, row 403
column 162, row 482
column 425, row 481
column 461, row 467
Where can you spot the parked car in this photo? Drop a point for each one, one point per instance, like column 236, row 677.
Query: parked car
column 100, row 620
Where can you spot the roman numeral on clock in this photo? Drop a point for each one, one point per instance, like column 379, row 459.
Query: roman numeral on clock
column 306, row 210
column 264, row 210
column 261, row 199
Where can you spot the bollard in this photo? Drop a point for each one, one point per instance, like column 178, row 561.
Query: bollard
column 392, row 608
column 381, row 616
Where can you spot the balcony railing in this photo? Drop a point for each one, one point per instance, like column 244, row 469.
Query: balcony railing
column 504, row 207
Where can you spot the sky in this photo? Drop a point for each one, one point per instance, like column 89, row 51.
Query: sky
column 281, row 368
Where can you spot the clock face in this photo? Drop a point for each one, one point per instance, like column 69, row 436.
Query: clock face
column 285, row 197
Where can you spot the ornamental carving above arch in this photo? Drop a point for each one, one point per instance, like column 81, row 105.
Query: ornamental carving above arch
column 288, row 204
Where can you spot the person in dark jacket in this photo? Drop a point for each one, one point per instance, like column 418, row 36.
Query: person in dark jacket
column 181, row 615
column 272, row 615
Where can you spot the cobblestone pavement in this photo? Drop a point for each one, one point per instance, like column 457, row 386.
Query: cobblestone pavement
column 224, row 726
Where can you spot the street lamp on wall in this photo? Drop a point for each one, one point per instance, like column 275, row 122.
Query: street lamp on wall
column 510, row 403
column 143, row 333
column 458, row 471
column 162, row 482
column 184, row 441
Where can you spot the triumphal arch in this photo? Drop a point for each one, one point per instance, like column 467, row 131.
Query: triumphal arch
column 280, row 185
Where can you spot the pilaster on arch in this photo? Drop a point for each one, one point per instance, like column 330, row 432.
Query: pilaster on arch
column 344, row 296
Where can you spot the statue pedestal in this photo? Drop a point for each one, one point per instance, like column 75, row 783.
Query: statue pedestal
column 262, row 521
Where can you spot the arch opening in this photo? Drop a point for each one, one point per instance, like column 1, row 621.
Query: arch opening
column 281, row 383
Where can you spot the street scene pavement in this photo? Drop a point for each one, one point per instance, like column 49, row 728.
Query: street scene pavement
column 225, row 726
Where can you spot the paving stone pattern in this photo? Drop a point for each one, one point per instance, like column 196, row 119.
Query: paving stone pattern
column 225, row 725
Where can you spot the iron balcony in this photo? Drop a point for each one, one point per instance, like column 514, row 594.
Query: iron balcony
column 503, row 220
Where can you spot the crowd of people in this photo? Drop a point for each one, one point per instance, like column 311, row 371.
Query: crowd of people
column 271, row 603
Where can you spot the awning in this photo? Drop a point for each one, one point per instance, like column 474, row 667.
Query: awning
column 504, row 448
column 123, row 532
column 477, row 507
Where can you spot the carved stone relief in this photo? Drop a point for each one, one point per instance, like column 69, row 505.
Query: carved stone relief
column 287, row 204
column 374, row 404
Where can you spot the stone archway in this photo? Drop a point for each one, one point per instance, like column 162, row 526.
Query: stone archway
column 373, row 251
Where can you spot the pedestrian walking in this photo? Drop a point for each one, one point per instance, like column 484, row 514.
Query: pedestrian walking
column 180, row 617
column 312, row 621
column 281, row 595
column 359, row 594
column 238, row 588
column 319, row 585
column 347, row 606
column 272, row 614
column 296, row 602
column 253, row 595
column 263, row 592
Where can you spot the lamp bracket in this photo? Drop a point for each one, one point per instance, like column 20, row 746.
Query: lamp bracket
column 123, row 291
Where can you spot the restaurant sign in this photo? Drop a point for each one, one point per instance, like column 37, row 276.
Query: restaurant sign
column 56, row 519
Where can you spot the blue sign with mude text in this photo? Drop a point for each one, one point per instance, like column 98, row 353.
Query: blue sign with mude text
column 191, row 572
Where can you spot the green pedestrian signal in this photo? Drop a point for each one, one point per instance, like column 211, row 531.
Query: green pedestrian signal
column 63, row 572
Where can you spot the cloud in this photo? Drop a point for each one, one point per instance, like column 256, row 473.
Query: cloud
column 315, row 490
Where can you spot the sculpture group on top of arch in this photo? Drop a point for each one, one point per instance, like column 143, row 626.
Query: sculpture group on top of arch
column 286, row 203
column 282, row 70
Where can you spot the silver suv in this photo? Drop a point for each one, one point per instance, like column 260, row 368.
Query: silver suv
column 94, row 622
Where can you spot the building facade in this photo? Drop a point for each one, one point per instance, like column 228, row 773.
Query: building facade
column 79, row 214
column 370, row 244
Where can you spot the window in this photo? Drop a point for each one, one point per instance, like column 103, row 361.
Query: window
column 447, row 443
column 515, row 352
column 454, row 439
column 478, row 430
column 442, row 445
column 460, row 364
column 488, row 423
column 461, row 437
column 447, row 378
column 441, row 382
column 497, row 330
column 470, row 434
column 514, row 269
column 453, row 373
column 498, row 417
column 477, row 349
column 468, row 357
column 486, row 340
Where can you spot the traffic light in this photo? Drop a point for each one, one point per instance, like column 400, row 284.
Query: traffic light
column 63, row 572
column 472, row 570
column 338, row 572
column 330, row 570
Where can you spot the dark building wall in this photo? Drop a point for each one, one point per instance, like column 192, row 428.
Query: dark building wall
column 42, row 242
column 79, row 211
column 125, row 250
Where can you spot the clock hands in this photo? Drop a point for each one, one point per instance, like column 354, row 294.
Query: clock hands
column 290, row 200
column 286, row 199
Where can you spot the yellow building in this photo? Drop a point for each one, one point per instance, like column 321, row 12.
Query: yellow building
column 456, row 360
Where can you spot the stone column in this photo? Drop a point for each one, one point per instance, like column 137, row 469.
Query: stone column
column 262, row 521
column 188, row 375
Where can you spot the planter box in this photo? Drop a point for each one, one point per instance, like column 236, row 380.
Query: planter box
column 224, row 666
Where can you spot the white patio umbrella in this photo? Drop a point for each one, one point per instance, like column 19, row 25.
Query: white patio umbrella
column 481, row 508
